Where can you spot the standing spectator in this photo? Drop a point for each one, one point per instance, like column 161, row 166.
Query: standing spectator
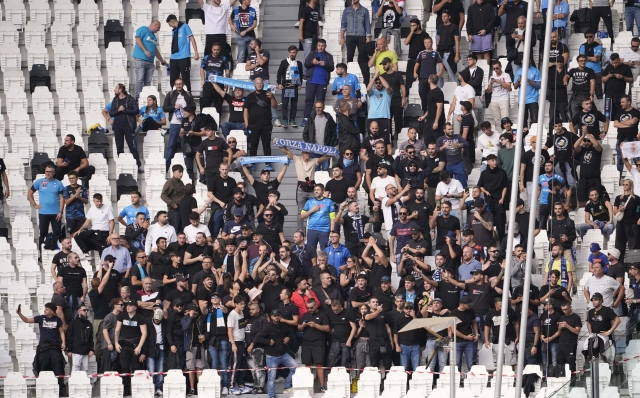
column 480, row 24
column 526, row 167
column 308, row 27
column 449, row 189
column 391, row 12
column 561, row 20
column 124, row 109
column 289, row 82
column 550, row 334
column 380, row 94
column 569, row 326
column 492, row 331
column 416, row 42
column 314, row 325
column 174, row 101
column 320, row 211
column 615, row 78
column 448, row 44
column 194, row 328
column 466, row 332
column 275, row 338
column 236, row 109
column 589, row 152
column 627, row 125
column 221, row 191
column 429, row 63
column 80, row 340
column 306, row 254
column 602, row 9
column 594, row 51
column 130, row 336
column 398, row 95
column 157, row 327
column 453, row 145
column 51, row 344
column 632, row 302
column 256, row 118
column 610, row 290
column 434, row 309
column 345, row 79
column 172, row 193
column 213, row 148
column 73, row 158
column 627, row 228
column 464, row 92
column 558, row 52
column 108, row 331
column 5, row 190
column 499, row 86
column 434, row 116
column 476, row 78
column 144, row 53
column 401, row 231
column 161, row 230
column 181, row 42
column 75, row 197
column 584, row 84
column 214, row 64
column 129, row 214
column 320, row 129
column 355, row 29
column 381, row 52
column 120, row 253
column 557, row 93
column 513, row 11
column 319, row 65
column 494, row 184
column 244, row 20
column 51, row 203
column 533, row 80
column 601, row 323
column 532, row 337
column 258, row 67
column 215, row 24
column 256, row 359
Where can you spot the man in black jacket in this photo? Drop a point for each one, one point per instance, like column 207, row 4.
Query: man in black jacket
column 256, row 360
column 289, row 79
column 493, row 183
column 349, row 134
column 174, row 335
column 124, row 109
column 321, row 130
column 173, row 102
column 275, row 338
column 316, row 89
column 80, row 340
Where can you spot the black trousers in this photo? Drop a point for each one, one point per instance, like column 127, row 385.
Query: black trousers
column 210, row 97
column 180, row 68
column 376, row 356
column 123, row 133
column 74, row 224
column 424, row 90
column 532, row 110
column 558, row 111
column 150, row 124
column 499, row 217
column 85, row 173
column 129, row 363
column 567, row 355
column 616, row 109
column 92, row 240
column 51, row 360
column 258, row 132
column 409, row 79
column 352, row 43
column 585, row 183
column 626, row 234
column 603, row 12
column 543, row 215
column 397, row 114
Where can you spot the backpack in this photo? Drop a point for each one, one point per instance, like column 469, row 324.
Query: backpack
column 50, row 242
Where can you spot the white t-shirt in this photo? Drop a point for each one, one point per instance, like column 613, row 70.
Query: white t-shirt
column 488, row 145
column 379, row 185
column 463, row 94
column 233, row 321
column 190, row 231
column 179, row 101
column 453, row 187
column 499, row 93
column 215, row 19
column 635, row 176
column 630, row 55
column 100, row 217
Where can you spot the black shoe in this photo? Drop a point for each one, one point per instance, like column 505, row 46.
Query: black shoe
column 191, row 392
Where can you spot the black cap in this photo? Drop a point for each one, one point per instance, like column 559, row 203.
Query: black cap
column 191, row 108
column 246, row 226
column 479, row 202
column 385, row 60
column 265, row 171
column 176, row 301
column 110, row 258
column 450, row 270
column 385, row 279
column 132, row 302
column 180, row 278
column 465, row 300
column 477, row 271
column 415, row 230
column 275, row 312
column 597, row 296
column 191, row 306
column 215, row 294
column 383, row 165
column 519, row 202
column 237, row 189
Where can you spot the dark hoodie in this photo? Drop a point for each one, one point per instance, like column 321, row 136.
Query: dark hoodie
column 416, row 178
column 493, row 181
column 348, row 134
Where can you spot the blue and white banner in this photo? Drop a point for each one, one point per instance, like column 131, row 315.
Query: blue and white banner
column 305, row 147
column 264, row 159
column 246, row 85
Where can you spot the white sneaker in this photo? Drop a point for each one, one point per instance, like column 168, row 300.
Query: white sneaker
column 288, row 391
column 225, row 391
column 277, row 123
column 159, row 393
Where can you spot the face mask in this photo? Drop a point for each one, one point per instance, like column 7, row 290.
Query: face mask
column 347, row 162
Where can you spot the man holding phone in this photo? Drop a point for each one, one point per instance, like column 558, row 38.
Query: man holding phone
column 319, row 65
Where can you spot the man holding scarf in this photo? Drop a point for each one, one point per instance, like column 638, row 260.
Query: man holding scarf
column 353, row 223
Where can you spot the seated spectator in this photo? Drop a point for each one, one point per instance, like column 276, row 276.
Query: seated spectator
column 72, row 157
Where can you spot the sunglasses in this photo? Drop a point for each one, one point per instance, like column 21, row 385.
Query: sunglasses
column 348, row 154
column 493, row 251
column 638, row 165
column 268, row 215
column 411, row 152
column 403, row 214
column 626, row 185
column 496, row 68
column 232, row 142
column 590, row 36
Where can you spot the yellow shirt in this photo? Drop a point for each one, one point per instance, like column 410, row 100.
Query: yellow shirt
column 556, row 265
column 385, row 54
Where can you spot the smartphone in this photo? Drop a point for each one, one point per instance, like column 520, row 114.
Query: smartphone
column 19, row 307
column 317, row 58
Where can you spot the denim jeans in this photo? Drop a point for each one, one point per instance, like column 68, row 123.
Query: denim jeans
column 284, row 360
column 156, row 364
column 220, row 360
column 529, row 358
column 216, row 222
column 409, row 356
column 441, row 354
column 314, row 237
column 74, row 307
column 174, row 136
column 469, row 349
column 226, row 128
column 457, row 170
column 290, row 106
column 307, row 46
column 568, row 175
column 452, row 76
column 174, row 219
column 606, row 229
column 144, row 74
column 387, row 33
column 480, row 322
column 631, row 14
column 243, row 47
column 549, row 350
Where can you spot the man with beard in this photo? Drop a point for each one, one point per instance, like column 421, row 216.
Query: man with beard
column 433, row 118
column 469, row 264
column 314, row 326
column 549, row 335
column 627, row 125
column 416, row 249
column 136, row 232
column 72, row 157
column 343, row 330
column 558, row 52
column 554, row 290
column 264, row 184
column 216, row 323
column 526, row 168
column 482, row 222
column 378, row 264
column 275, row 338
column 452, row 144
column 602, row 321
column 326, row 291
column 60, row 259
column 109, row 356
column 436, row 161
column 557, row 93
column 239, row 209
column 256, row 359
column 148, row 298
column 270, row 230
column 545, row 195
column 512, row 332
column 205, row 293
column 615, row 77
column 130, row 336
column 320, row 211
column 598, row 213
column 353, row 223
column 562, row 142
column 445, row 223
column 401, row 231
column 80, row 340
column 305, row 253
column 446, row 291
column 561, row 264
column 435, row 310
column 377, row 324
column 421, row 212
column 369, row 143
column 289, row 266
column 195, row 254
column 494, row 184
column 407, row 344
column 584, row 84
column 562, row 230
column 569, row 326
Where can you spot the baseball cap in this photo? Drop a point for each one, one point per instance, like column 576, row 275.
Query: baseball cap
column 385, row 279
column 449, row 270
column 479, row 202
column 132, row 302
column 385, row 61
column 596, row 296
column 452, row 235
column 176, row 301
column 238, row 212
column 595, row 247
column 415, row 230
column 477, row 271
column 265, row 171
column 247, row 226
column 465, row 300
column 180, row 278
column 383, row 165
column 275, row 312
column 519, row 202
column 408, row 305
column 215, row 294
column 614, row 252
column 191, row 306
column 237, row 189
column 437, row 299
column 110, row 258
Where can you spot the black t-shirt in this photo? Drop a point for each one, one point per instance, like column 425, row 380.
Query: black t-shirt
column 377, row 328
column 73, row 157
column 468, row 123
column 377, row 272
column 313, row 336
column 466, row 321
column 445, row 225
column 390, row 17
column 480, row 297
column 60, row 260
column 425, row 211
column 434, row 178
column 556, row 294
column 567, row 338
column 271, row 234
column 454, row 8
column 528, row 159
column 236, row 108
column 130, row 331
column 99, row 304
column 616, row 271
column 557, row 91
column 450, row 295
column 395, row 81
column 338, row 189
column 549, row 323
column 112, row 288
column 195, row 251
column 311, row 17
column 589, row 162
column 375, row 160
column 630, row 211
column 411, row 337
column 562, row 145
column 204, row 294
column 59, row 301
column 197, row 124
column 601, row 320
column 259, row 111
column 186, row 206
column 513, row 12
column 435, row 97
column 628, row 133
column 49, row 328
column 534, row 292
column 72, row 279
column 581, row 79
column 555, row 53
column 384, row 298
column 446, row 34
column 590, row 119
column 360, row 296
column 417, row 44
column 341, row 324
column 262, row 189
column 222, row 189
column 616, row 87
column 369, row 143
column 350, row 231
column 213, row 151
column 159, row 262
column 260, row 71
column 492, row 320
column 187, row 296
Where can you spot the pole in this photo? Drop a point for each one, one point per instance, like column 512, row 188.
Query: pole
column 514, row 195
column 452, row 383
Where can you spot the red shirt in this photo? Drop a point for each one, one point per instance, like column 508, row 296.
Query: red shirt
column 301, row 302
